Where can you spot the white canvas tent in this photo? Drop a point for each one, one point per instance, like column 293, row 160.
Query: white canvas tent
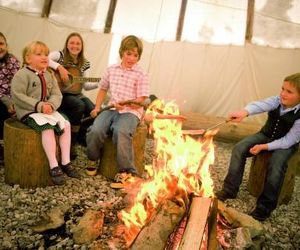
column 219, row 62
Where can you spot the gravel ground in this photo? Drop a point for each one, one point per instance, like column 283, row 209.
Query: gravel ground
column 22, row 208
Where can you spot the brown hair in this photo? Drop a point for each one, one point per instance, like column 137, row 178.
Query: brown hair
column 294, row 80
column 3, row 36
column 67, row 55
column 131, row 42
column 32, row 48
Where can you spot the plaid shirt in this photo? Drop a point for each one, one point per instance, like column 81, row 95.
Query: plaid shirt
column 125, row 84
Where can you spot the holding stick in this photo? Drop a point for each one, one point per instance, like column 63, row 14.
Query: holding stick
column 124, row 103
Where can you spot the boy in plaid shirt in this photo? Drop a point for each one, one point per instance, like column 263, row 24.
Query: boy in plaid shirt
column 125, row 81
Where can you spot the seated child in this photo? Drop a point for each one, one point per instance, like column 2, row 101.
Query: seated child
column 9, row 65
column 125, row 81
column 280, row 135
column 36, row 96
column 75, row 105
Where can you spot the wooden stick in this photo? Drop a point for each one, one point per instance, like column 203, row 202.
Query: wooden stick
column 193, row 131
column 170, row 117
column 124, row 103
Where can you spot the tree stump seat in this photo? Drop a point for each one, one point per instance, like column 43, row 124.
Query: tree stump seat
column 258, row 172
column 108, row 162
column 25, row 162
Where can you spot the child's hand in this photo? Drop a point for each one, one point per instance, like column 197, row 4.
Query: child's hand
column 95, row 112
column 257, row 148
column 11, row 109
column 64, row 74
column 47, row 109
column 238, row 116
column 148, row 118
column 118, row 106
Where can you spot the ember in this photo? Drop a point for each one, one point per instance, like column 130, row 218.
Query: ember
column 180, row 168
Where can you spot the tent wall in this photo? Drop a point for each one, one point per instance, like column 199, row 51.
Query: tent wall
column 208, row 79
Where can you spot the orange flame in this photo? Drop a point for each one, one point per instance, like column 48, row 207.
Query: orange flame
column 180, row 166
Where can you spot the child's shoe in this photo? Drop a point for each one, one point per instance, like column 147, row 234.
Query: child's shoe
column 57, row 176
column 123, row 179
column 91, row 167
column 70, row 171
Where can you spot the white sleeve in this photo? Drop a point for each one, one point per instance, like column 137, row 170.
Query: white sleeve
column 53, row 58
column 89, row 85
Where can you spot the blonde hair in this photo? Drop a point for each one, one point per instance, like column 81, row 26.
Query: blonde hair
column 129, row 43
column 32, row 48
column 294, row 80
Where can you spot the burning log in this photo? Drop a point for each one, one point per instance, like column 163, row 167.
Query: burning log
column 155, row 234
column 237, row 219
column 201, row 225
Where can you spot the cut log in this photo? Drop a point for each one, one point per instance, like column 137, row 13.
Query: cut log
column 228, row 132
column 258, row 174
column 155, row 234
column 212, row 226
column 108, row 162
column 25, row 162
column 52, row 220
column 202, row 211
column 90, row 226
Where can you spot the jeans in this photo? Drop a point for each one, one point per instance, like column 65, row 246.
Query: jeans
column 121, row 127
column 277, row 166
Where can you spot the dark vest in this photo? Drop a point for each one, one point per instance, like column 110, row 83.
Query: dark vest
column 278, row 126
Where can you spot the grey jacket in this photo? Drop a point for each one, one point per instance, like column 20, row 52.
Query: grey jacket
column 26, row 91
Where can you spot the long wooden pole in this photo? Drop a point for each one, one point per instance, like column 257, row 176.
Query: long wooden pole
column 46, row 8
column 181, row 19
column 110, row 16
column 250, row 20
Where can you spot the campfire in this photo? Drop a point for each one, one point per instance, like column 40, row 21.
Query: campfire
column 173, row 207
column 177, row 181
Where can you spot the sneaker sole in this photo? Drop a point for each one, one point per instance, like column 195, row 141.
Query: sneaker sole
column 117, row 185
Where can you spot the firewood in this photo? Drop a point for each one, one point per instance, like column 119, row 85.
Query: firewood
column 198, row 219
column 155, row 234
column 51, row 220
column 89, row 227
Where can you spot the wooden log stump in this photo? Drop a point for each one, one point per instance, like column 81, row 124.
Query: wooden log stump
column 25, row 162
column 108, row 162
column 258, row 172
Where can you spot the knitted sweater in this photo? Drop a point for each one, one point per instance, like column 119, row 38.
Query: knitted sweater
column 27, row 89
